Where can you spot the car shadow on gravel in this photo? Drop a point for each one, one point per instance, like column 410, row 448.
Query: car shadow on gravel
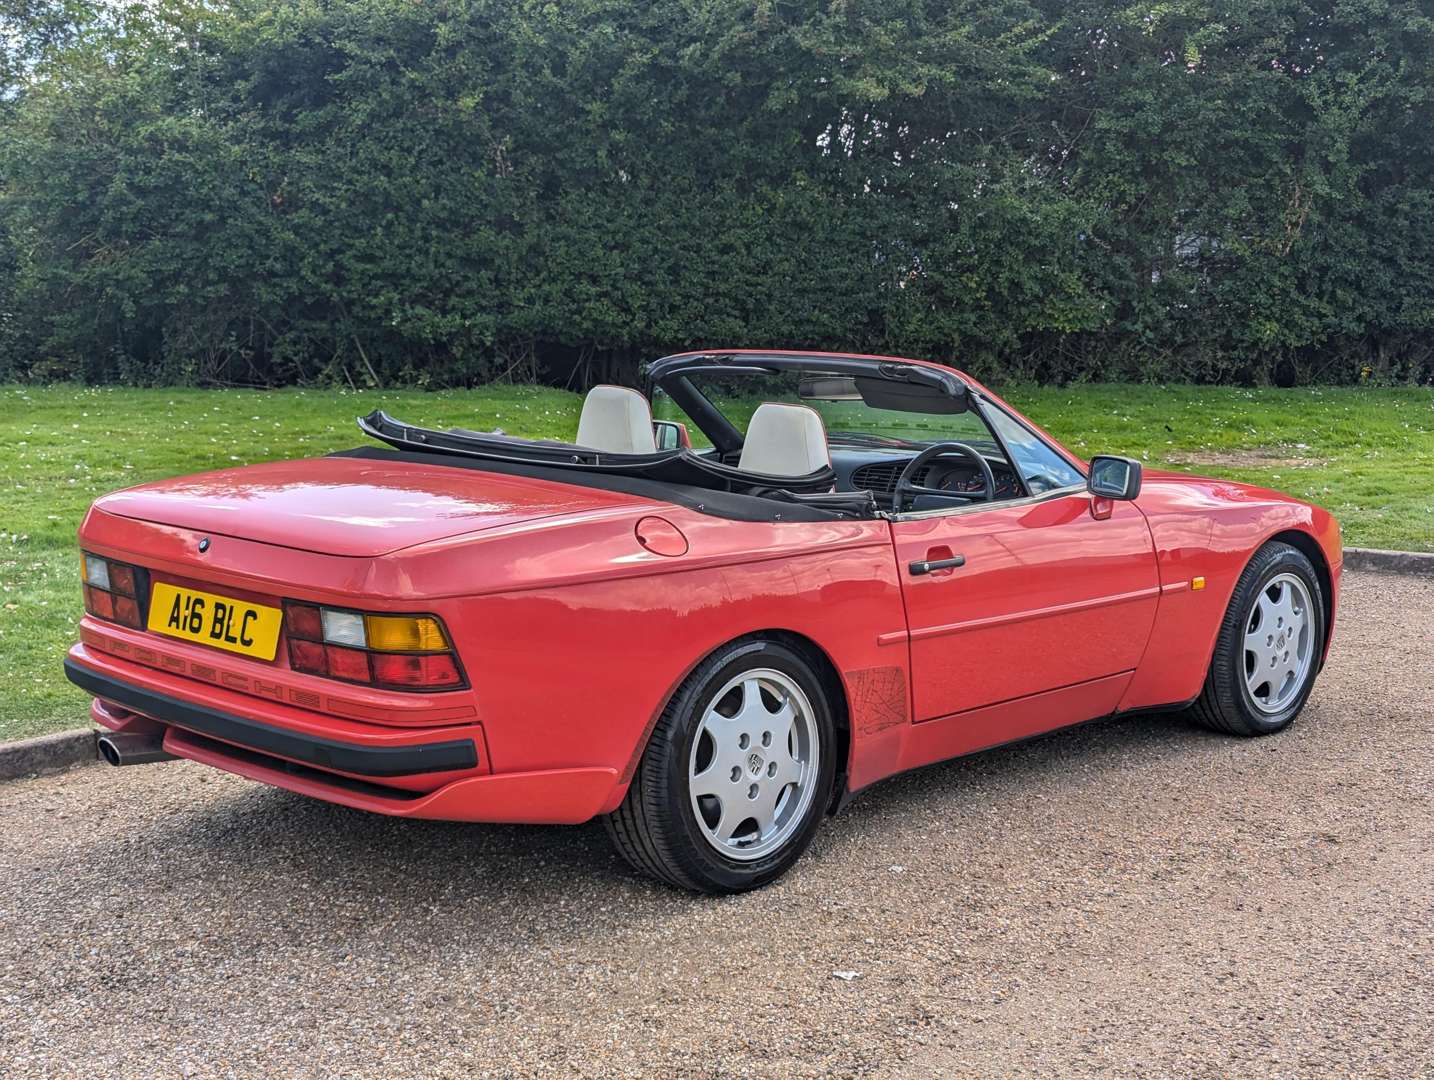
column 1002, row 770
column 293, row 873
column 260, row 833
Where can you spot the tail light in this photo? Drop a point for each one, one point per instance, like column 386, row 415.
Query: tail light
column 396, row 652
column 112, row 590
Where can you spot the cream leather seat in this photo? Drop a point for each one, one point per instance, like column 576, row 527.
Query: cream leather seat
column 785, row 440
column 617, row 420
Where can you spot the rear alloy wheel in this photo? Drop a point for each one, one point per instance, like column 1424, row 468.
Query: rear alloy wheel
column 736, row 776
column 1269, row 646
column 753, row 767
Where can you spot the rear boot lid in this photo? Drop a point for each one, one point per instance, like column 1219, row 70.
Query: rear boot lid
column 353, row 506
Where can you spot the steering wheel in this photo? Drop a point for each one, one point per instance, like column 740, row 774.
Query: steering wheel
column 905, row 486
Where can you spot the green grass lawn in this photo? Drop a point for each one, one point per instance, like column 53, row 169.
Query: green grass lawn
column 1366, row 454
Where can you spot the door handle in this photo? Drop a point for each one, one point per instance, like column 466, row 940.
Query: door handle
column 925, row 566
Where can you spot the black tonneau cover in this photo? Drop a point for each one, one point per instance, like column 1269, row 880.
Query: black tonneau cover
column 680, row 466
column 676, row 476
column 773, row 505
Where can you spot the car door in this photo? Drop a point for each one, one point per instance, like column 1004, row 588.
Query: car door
column 1053, row 591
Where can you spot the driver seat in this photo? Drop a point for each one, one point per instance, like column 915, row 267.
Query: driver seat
column 617, row 420
column 785, row 440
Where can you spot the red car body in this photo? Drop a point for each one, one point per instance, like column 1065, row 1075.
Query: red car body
column 576, row 612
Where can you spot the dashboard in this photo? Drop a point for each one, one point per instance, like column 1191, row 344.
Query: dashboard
column 877, row 471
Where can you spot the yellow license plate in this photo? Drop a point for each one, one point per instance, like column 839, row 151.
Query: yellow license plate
column 236, row 625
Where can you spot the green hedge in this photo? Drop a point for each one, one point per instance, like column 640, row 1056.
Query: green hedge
column 452, row 191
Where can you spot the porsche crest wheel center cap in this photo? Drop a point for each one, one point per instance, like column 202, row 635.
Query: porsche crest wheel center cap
column 755, row 763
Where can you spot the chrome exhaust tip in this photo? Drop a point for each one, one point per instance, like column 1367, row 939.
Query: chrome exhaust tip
column 121, row 748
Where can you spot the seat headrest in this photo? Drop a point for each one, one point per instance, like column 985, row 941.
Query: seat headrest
column 617, row 420
column 785, row 440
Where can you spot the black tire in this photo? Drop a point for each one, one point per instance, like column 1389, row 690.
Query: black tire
column 656, row 828
column 1225, row 704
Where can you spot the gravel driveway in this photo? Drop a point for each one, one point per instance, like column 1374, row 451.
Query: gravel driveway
column 1135, row 896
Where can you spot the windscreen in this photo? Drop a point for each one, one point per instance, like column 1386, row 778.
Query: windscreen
column 856, row 411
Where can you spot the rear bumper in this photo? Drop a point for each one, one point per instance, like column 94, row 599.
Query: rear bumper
column 437, row 773
column 366, row 761
column 551, row 797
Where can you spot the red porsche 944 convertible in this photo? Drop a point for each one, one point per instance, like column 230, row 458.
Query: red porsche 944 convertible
column 811, row 572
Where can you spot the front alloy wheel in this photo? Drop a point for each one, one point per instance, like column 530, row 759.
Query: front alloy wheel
column 1269, row 647
column 737, row 774
column 1279, row 643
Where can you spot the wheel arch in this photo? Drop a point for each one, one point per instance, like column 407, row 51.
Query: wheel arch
column 826, row 670
column 822, row 665
column 1308, row 546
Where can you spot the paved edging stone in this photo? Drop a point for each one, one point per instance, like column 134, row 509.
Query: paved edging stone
column 46, row 753
column 1389, row 562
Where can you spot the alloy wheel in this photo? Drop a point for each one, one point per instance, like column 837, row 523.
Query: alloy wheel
column 754, row 764
column 1279, row 643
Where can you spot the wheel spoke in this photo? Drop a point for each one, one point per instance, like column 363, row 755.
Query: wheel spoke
column 1284, row 612
column 789, row 771
column 733, row 814
column 715, row 780
column 1259, row 643
column 764, row 807
column 1287, row 610
column 752, row 709
column 780, row 724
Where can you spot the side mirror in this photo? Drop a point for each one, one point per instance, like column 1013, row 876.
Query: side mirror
column 1114, row 477
column 670, row 435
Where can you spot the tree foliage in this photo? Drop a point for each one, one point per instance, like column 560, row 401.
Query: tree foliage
column 450, row 191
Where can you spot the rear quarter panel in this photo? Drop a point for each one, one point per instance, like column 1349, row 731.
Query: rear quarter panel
column 574, row 638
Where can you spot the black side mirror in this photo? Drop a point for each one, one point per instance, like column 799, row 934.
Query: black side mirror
column 1114, row 477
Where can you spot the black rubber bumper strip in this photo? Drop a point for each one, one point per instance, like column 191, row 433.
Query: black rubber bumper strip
column 448, row 756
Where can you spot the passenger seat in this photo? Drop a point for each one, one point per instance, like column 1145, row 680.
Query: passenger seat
column 617, row 420
column 785, row 440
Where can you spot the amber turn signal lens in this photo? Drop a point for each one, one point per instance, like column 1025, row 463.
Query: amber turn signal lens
column 404, row 633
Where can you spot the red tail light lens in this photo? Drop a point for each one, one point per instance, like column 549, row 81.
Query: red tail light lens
column 122, row 578
column 350, row 664
column 112, row 590
column 433, row 670
column 99, row 603
column 396, row 652
column 304, row 622
column 308, row 656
